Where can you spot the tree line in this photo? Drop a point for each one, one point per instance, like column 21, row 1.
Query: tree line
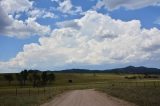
column 35, row 77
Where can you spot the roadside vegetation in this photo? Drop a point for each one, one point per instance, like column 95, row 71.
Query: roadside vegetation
column 33, row 87
column 140, row 95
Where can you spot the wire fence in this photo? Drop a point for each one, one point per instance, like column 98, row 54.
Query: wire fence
column 36, row 96
column 27, row 96
column 144, row 84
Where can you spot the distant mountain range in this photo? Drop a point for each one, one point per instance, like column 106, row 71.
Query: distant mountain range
column 127, row 70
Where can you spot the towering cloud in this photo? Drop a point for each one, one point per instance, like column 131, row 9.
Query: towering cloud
column 96, row 39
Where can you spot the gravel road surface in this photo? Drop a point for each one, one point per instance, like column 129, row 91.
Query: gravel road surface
column 86, row 98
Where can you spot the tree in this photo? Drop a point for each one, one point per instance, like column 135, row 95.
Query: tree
column 51, row 77
column 94, row 74
column 24, row 75
column 30, row 77
column 19, row 78
column 36, row 79
column 9, row 78
column 44, row 78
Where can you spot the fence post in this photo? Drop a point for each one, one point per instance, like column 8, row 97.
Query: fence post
column 53, row 91
column 38, row 90
column 29, row 91
column 154, row 84
column 136, row 84
column 50, row 91
column 144, row 84
column 44, row 91
column 16, row 91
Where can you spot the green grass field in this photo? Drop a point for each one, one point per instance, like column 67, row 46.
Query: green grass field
column 148, row 96
column 62, row 79
column 143, row 92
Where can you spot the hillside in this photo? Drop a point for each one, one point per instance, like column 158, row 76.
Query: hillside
column 128, row 70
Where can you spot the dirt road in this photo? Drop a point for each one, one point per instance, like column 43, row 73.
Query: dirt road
column 86, row 98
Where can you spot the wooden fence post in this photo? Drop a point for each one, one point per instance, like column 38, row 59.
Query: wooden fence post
column 154, row 84
column 16, row 92
column 144, row 84
column 136, row 84
column 50, row 91
column 44, row 91
column 38, row 90
column 29, row 91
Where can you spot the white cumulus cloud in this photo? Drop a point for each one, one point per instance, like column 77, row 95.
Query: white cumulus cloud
column 23, row 29
column 99, row 39
column 66, row 6
column 41, row 13
column 13, row 27
column 12, row 6
column 128, row 4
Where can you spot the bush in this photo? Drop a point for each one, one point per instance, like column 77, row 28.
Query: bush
column 131, row 77
column 151, row 76
column 70, row 81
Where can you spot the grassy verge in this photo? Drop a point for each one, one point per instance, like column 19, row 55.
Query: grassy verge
column 36, row 96
column 143, row 92
column 27, row 96
column 142, row 96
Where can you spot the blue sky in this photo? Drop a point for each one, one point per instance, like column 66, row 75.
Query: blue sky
column 36, row 26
